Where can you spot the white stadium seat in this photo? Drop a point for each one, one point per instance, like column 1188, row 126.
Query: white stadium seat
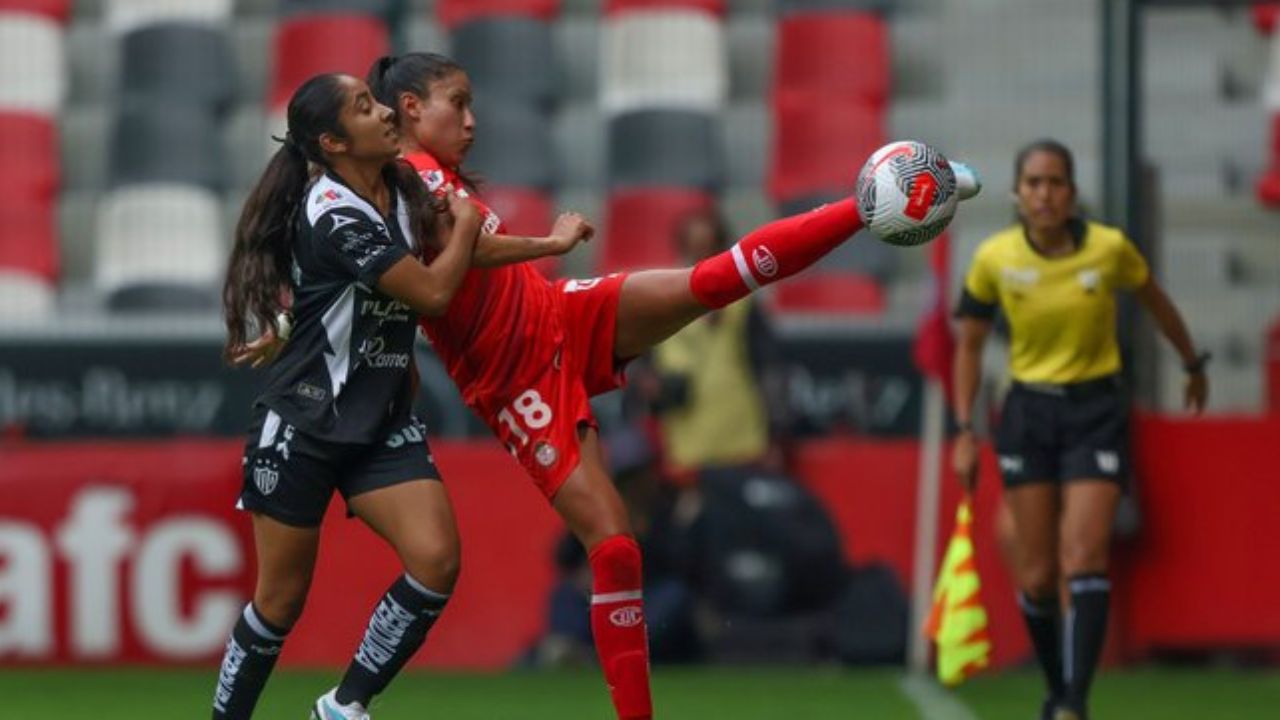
column 671, row 58
column 159, row 233
column 25, row 298
column 125, row 15
column 33, row 68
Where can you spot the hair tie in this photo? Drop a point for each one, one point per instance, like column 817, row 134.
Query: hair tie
column 291, row 145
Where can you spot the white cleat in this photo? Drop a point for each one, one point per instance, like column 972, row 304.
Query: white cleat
column 327, row 708
column 968, row 183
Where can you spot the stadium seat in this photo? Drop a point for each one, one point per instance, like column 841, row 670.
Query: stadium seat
column 1266, row 15
column 59, row 10
column 508, row 57
column 377, row 8
column 159, row 235
column 179, row 62
column 789, row 7
column 25, row 299
column 664, row 148
column 841, row 55
column 29, row 156
column 157, row 142
column 640, row 227
column 122, row 16
column 33, row 74
column 29, row 239
column 1268, row 187
column 580, row 131
column 818, row 147
column 689, row 73
column 715, row 7
column 829, row 293
column 455, row 12
column 513, row 145
column 313, row 44
column 577, row 50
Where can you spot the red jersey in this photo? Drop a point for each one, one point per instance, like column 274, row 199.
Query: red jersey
column 501, row 329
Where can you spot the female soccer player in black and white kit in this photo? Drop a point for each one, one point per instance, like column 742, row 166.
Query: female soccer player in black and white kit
column 335, row 414
column 1063, row 436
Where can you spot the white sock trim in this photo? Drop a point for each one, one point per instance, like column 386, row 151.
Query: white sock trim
column 740, row 262
column 423, row 590
column 255, row 624
column 625, row 595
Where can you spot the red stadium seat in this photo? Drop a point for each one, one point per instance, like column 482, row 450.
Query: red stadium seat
column 59, row 10
column 640, row 227
column 29, row 155
column 1273, row 367
column 819, row 146
column 524, row 211
column 1269, row 184
column 715, row 7
column 456, row 12
column 29, row 238
column 829, row 293
column 842, row 55
column 1266, row 16
column 308, row 45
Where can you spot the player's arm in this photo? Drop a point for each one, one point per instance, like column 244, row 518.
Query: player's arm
column 568, row 230
column 429, row 287
column 1169, row 320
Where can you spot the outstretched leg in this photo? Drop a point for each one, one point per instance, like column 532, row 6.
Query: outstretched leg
column 656, row 304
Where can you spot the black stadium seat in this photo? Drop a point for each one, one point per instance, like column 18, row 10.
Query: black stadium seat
column 513, row 145
column 179, row 62
column 380, row 8
column 164, row 142
column 664, row 148
column 511, row 57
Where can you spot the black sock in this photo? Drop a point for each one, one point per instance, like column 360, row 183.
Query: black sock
column 1086, row 629
column 1042, row 618
column 396, row 630
column 251, row 653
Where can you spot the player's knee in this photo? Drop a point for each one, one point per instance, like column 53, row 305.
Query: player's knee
column 434, row 561
column 280, row 603
column 616, row 564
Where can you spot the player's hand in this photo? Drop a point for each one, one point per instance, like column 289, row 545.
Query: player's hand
column 465, row 213
column 259, row 352
column 569, row 229
column 964, row 460
column 1196, row 392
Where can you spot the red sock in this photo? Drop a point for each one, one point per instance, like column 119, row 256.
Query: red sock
column 617, row 624
column 773, row 251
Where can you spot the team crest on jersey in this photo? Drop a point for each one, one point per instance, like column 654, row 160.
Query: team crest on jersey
column 765, row 262
column 434, row 179
column 1090, row 279
column 546, row 454
column 329, row 195
column 266, row 478
column 491, row 223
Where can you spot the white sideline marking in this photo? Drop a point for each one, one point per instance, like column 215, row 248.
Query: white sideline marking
column 931, row 701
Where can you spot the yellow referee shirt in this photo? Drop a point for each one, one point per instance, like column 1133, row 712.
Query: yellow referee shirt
column 1062, row 310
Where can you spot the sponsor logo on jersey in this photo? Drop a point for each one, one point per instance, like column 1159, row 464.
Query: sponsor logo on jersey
column 311, row 392
column 361, row 246
column 580, row 285
column 386, row 310
column 629, row 616
column 1090, row 279
column 329, row 195
column 1020, row 276
column 266, row 478
column 434, row 179
column 415, row 432
column 766, row 264
column 491, row 223
column 373, row 350
column 546, row 454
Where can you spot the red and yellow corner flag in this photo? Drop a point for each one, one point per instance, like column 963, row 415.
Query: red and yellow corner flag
column 957, row 623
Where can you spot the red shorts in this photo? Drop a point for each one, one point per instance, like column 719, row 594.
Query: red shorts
column 539, row 424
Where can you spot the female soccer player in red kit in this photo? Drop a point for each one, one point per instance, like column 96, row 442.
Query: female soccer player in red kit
column 527, row 354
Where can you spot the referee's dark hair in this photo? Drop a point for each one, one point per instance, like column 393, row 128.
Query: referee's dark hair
column 257, row 282
column 1048, row 145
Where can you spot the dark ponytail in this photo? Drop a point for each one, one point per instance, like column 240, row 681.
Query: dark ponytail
column 413, row 72
column 258, row 272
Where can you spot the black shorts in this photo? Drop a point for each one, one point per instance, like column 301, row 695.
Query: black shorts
column 289, row 476
column 1064, row 432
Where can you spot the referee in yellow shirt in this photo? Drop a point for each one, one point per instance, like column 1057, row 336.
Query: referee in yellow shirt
column 1062, row 440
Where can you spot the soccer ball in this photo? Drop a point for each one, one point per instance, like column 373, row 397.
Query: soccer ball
column 907, row 193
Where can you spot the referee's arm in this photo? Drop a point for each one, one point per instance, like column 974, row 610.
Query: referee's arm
column 975, row 319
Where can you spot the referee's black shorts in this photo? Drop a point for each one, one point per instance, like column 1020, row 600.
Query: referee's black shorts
column 1059, row 433
column 290, row 476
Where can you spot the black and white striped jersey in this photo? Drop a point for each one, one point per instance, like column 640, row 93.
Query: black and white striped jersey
column 347, row 372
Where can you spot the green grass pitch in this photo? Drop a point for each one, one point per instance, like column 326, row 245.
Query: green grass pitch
column 680, row 693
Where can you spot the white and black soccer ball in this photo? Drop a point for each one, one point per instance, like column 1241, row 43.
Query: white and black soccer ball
column 907, row 193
